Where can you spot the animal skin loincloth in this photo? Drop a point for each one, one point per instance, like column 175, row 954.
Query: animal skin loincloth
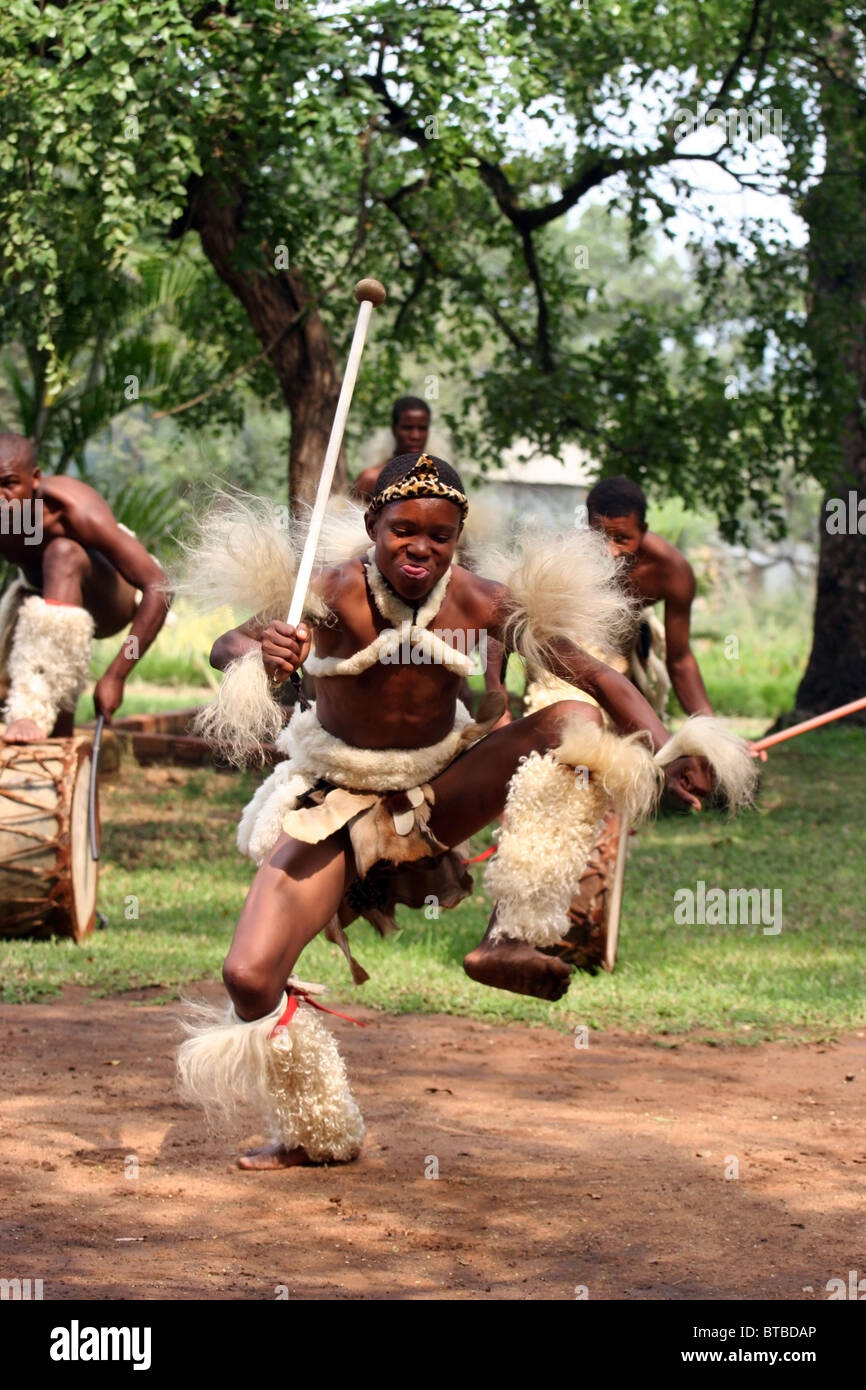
column 383, row 799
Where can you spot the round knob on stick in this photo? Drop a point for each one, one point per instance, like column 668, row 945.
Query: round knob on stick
column 373, row 290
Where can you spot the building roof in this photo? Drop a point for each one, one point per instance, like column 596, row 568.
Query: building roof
column 524, row 464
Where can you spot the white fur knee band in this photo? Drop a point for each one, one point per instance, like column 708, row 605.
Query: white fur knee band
column 295, row 1082
column 734, row 769
column 49, row 661
column 555, row 805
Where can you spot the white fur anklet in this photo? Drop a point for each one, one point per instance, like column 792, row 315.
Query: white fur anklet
column 294, row 1078
column 555, row 805
column 49, row 661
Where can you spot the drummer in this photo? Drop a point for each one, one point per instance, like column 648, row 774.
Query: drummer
column 80, row 575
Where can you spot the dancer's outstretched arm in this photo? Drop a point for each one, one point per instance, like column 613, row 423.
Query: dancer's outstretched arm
column 689, row 780
column 614, row 692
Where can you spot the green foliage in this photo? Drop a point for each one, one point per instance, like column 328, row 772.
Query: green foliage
column 152, row 510
column 132, row 342
column 440, row 147
column 763, row 678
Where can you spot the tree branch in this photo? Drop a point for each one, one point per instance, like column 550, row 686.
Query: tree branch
column 392, row 203
column 417, row 288
column 542, row 336
column 743, row 51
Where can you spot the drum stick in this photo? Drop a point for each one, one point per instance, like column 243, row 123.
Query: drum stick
column 772, row 739
column 91, row 800
column 614, row 906
column 368, row 294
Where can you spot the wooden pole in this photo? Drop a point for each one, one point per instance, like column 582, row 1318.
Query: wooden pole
column 368, row 294
column 772, row 739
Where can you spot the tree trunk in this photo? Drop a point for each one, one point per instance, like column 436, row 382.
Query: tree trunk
column 301, row 352
column 836, row 213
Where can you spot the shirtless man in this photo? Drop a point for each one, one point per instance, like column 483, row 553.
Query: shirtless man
column 375, row 717
column 654, row 571
column 78, row 575
column 410, row 422
column 650, row 570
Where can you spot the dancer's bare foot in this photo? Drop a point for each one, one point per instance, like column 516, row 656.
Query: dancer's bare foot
column 519, row 967
column 24, row 731
column 271, row 1156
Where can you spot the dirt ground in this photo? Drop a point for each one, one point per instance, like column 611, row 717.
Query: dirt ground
column 563, row 1171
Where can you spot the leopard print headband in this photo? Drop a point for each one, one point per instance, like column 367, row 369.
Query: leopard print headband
column 422, row 480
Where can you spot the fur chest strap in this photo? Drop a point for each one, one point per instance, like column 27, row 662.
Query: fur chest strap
column 408, row 645
column 409, row 641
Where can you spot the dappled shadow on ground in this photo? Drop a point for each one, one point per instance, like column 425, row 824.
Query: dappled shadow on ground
column 609, row 1168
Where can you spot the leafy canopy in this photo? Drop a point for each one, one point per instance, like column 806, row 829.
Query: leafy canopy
column 444, row 149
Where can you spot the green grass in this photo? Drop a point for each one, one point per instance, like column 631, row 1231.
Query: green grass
column 144, row 698
column 762, row 679
column 179, row 656
column 169, row 842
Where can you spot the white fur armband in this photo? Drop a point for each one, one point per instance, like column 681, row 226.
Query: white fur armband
column 623, row 765
column 247, row 551
column 560, row 587
column 734, row 770
column 49, row 661
column 241, row 557
column 244, row 714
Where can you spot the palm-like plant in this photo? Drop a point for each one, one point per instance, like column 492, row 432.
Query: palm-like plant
column 126, row 348
column 113, row 352
column 152, row 510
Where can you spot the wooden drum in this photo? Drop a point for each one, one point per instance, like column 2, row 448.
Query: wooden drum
column 48, row 879
column 591, row 942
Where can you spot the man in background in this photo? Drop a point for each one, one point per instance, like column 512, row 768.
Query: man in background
column 653, row 571
column 80, row 575
column 410, row 423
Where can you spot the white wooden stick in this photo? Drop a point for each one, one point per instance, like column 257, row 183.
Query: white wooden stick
column 368, row 293
column 614, row 901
